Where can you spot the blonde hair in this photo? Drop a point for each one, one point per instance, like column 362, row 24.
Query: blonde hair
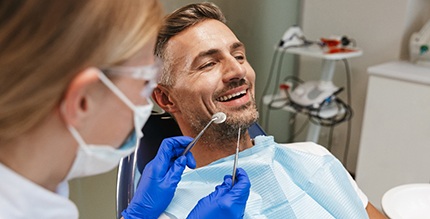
column 44, row 44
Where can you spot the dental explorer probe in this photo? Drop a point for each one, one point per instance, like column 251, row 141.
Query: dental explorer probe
column 236, row 157
column 217, row 118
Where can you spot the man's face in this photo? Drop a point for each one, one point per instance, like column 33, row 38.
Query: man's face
column 212, row 75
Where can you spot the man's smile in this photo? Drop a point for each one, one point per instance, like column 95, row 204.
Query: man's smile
column 232, row 96
column 235, row 97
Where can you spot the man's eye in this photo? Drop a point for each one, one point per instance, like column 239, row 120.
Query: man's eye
column 207, row 65
column 240, row 57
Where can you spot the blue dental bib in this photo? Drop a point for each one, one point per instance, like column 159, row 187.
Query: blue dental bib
column 287, row 181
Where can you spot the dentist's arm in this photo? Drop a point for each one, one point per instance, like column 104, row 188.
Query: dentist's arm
column 160, row 179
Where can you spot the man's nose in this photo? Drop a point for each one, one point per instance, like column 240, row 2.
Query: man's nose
column 233, row 70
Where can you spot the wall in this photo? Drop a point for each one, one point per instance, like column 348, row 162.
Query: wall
column 380, row 28
column 95, row 195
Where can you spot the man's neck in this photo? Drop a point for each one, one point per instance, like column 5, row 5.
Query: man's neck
column 206, row 153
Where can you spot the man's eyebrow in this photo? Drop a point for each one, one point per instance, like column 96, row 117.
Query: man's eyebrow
column 237, row 45
column 215, row 51
column 211, row 52
column 207, row 53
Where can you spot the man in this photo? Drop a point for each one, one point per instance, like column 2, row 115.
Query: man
column 206, row 71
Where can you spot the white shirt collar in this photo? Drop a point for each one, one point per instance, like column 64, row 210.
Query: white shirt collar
column 22, row 198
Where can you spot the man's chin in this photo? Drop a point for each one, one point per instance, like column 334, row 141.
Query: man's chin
column 242, row 120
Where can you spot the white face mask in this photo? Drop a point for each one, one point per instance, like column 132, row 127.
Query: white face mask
column 94, row 159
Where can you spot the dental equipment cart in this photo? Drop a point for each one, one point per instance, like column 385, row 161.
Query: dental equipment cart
column 327, row 72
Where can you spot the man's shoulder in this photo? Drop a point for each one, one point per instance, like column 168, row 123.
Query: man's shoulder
column 306, row 147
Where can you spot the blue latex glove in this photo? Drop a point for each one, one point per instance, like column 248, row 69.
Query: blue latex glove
column 160, row 179
column 225, row 201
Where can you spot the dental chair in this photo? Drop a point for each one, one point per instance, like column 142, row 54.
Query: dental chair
column 158, row 127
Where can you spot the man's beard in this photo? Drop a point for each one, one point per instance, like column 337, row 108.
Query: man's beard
column 224, row 135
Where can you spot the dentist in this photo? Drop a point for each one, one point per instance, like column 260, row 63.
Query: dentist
column 75, row 81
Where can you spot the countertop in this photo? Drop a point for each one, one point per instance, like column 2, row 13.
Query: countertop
column 402, row 70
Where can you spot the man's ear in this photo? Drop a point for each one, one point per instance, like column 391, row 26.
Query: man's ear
column 161, row 96
column 76, row 103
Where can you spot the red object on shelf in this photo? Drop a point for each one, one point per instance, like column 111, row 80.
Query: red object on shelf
column 330, row 42
column 339, row 50
column 284, row 86
column 335, row 46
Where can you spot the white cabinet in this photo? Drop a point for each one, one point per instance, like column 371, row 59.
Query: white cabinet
column 395, row 138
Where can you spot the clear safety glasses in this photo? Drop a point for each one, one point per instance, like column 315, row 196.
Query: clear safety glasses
column 149, row 73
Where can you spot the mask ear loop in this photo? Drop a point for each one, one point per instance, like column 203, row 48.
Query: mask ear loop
column 77, row 137
column 116, row 90
column 127, row 101
column 75, row 132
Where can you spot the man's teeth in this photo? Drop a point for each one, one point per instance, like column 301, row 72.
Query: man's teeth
column 228, row 97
